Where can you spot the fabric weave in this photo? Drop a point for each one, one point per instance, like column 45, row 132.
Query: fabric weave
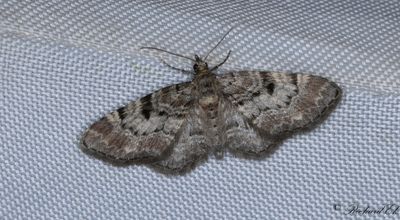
column 64, row 64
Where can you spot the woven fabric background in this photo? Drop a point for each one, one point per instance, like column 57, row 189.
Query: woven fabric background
column 64, row 64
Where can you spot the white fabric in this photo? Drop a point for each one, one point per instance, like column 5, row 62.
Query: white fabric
column 64, row 64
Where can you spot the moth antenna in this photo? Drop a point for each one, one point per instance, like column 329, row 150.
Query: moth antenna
column 219, row 42
column 165, row 51
column 226, row 58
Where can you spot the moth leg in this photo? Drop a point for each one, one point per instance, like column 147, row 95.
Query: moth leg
column 226, row 58
column 175, row 68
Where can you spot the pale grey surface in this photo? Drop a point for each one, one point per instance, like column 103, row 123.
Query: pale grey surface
column 64, row 64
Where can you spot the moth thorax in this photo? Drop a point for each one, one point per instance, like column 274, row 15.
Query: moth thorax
column 203, row 71
column 209, row 103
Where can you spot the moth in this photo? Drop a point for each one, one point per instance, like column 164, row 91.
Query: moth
column 243, row 112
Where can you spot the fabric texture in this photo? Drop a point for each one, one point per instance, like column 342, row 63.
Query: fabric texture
column 64, row 64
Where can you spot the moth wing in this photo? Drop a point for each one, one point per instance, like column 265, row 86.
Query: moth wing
column 143, row 130
column 273, row 104
column 239, row 135
column 192, row 146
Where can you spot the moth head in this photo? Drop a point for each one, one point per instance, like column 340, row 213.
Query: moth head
column 200, row 66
